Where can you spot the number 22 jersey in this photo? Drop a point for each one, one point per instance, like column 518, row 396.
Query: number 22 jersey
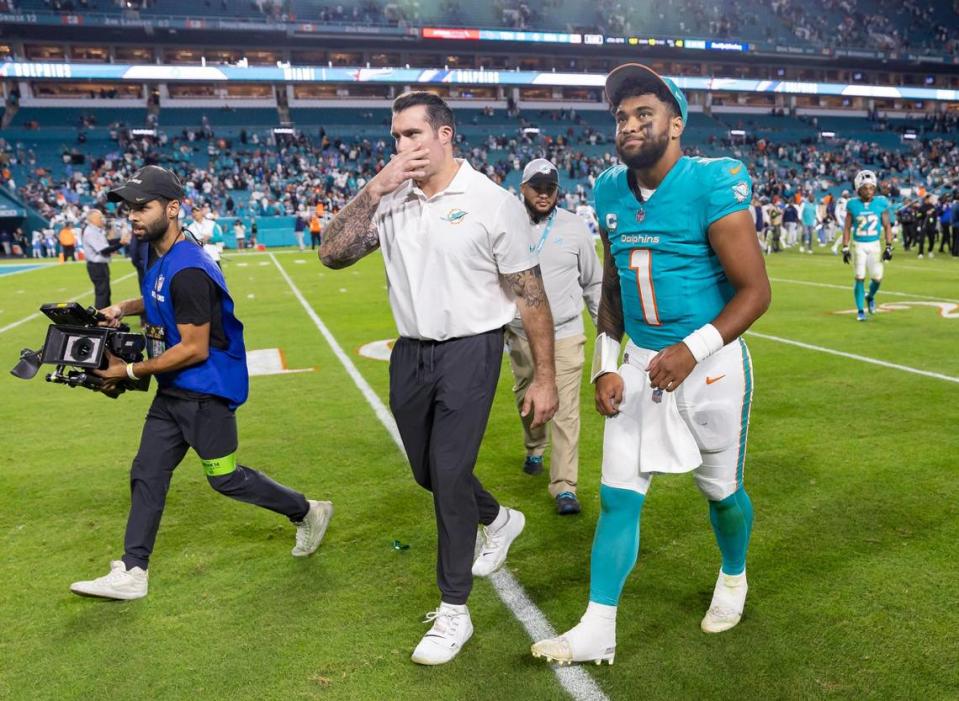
column 867, row 217
column 671, row 280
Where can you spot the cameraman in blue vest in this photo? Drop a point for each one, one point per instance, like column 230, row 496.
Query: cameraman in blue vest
column 196, row 352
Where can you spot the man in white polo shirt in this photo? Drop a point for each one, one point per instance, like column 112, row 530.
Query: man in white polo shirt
column 571, row 274
column 205, row 230
column 458, row 264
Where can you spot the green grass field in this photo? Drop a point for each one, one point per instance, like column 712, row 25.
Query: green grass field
column 851, row 468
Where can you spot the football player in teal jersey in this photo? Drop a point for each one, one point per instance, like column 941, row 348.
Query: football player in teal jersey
column 684, row 277
column 864, row 217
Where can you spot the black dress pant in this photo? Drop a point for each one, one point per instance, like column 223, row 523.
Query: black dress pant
column 209, row 427
column 100, row 277
column 440, row 395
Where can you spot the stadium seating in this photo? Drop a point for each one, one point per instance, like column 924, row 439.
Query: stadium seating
column 880, row 24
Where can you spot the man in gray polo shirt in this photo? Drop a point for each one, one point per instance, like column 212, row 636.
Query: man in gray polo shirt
column 97, row 251
column 571, row 274
column 458, row 264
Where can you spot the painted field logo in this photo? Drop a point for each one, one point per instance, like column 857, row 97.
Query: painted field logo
column 947, row 310
column 455, row 216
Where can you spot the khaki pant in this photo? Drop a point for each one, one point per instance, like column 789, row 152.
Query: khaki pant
column 569, row 354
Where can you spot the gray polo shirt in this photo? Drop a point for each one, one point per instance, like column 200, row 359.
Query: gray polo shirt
column 572, row 273
column 94, row 241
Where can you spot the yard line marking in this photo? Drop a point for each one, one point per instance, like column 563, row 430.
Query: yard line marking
column 72, row 299
column 849, row 287
column 574, row 679
column 853, row 356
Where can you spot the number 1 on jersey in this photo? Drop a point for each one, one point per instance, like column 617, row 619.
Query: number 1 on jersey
column 641, row 261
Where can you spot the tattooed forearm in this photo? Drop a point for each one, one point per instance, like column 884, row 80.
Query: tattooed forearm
column 610, row 317
column 527, row 285
column 352, row 233
column 534, row 309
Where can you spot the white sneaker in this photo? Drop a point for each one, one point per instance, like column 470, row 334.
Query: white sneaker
column 726, row 608
column 310, row 531
column 496, row 544
column 121, row 583
column 451, row 629
column 584, row 643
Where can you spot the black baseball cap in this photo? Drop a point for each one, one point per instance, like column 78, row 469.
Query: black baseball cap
column 148, row 183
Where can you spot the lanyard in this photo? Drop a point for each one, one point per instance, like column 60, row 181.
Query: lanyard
column 545, row 234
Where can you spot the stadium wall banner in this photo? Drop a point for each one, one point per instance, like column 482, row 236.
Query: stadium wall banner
column 174, row 22
column 284, row 73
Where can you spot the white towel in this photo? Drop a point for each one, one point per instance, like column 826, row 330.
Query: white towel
column 665, row 442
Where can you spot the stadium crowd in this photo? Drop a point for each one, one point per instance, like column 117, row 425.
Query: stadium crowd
column 886, row 25
column 256, row 175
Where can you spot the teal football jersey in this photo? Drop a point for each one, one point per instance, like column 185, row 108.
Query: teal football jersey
column 867, row 218
column 671, row 281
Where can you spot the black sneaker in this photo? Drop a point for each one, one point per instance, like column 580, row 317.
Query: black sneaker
column 567, row 504
column 533, row 465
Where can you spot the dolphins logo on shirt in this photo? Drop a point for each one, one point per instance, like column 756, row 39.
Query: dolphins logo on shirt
column 455, row 216
column 740, row 191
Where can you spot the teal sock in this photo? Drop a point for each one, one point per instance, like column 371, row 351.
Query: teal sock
column 873, row 289
column 732, row 520
column 615, row 545
column 859, row 293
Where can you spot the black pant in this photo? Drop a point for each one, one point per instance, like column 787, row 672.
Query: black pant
column 908, row 235
column 946, row 241
column 927, row 233
column 209, row 427
column 68, row 253
column 314, row 240
column 440, row 395
column 100, row 277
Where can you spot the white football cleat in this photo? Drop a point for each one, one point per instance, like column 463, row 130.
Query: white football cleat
column 310, row 531
column 451, row 629
column 726, row 608
column 583, row 643
column 496, row 544
column 121, row 584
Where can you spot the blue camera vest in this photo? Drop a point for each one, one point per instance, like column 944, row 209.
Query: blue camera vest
column 223, row 373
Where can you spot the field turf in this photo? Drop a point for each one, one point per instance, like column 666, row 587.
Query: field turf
column 853, row 567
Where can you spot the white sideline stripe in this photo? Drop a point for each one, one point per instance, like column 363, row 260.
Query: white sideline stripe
column 846, row 288
column 371, row 397
column 33, row 316
column 577, row 683
column 853, row 356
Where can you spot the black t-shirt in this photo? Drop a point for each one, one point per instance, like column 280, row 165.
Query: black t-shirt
column 196, row 300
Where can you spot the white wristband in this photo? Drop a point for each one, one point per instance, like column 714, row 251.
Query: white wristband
column 703, row 342
column 130, row 372
column 605, row 356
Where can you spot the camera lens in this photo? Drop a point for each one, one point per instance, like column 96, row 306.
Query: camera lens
column 83, row 349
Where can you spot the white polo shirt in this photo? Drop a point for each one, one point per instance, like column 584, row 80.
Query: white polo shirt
column 444, row 255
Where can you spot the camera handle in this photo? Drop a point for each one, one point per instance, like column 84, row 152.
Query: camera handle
column 125, row 328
